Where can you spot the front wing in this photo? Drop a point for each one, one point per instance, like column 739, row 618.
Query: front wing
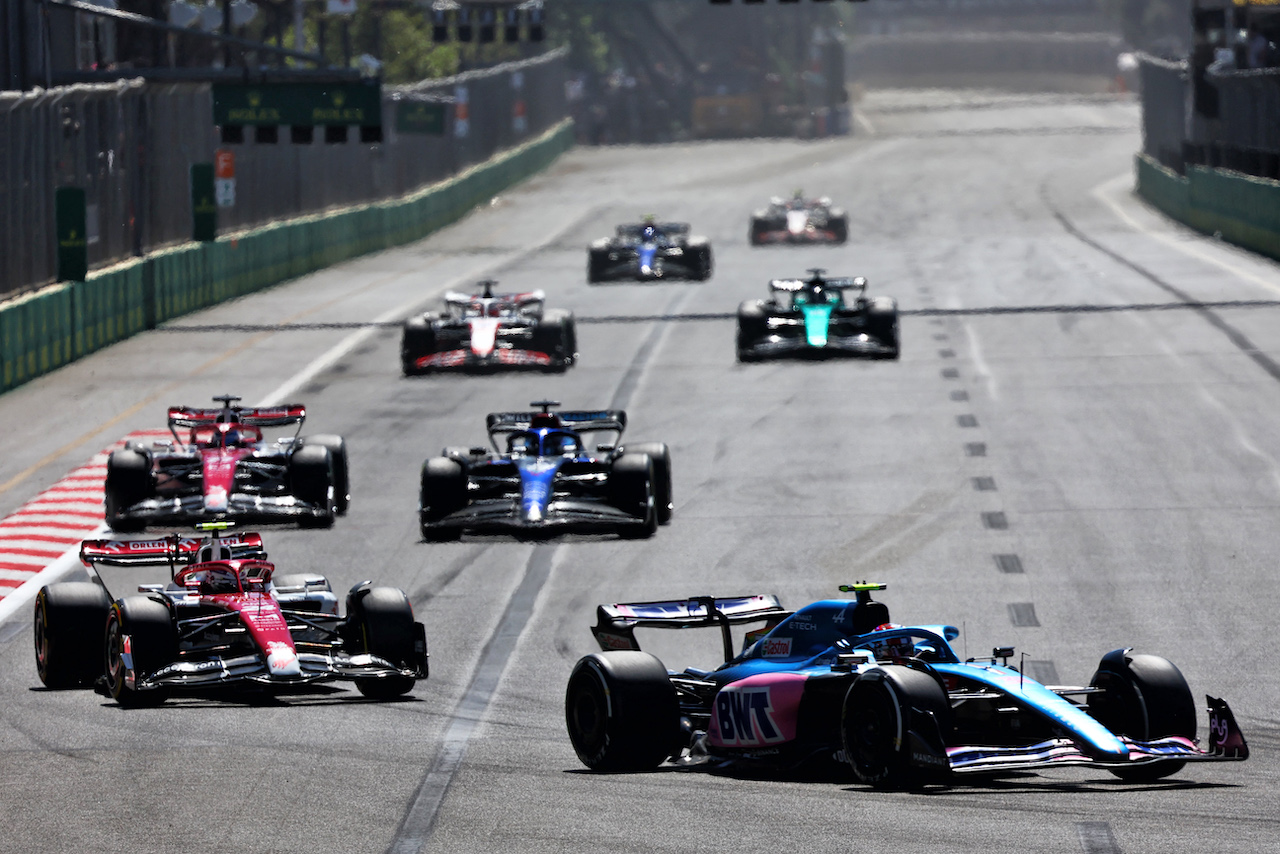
column 1226, row 744
column 241, row 507
column 464, row 358
column 862, row 344
column 503, row 515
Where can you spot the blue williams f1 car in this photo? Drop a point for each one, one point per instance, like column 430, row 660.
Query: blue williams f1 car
column 650, row 251
column 818, row 316
column 540, row 478
column 836, row 681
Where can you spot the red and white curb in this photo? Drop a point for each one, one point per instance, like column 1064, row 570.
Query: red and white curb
column 40, row 541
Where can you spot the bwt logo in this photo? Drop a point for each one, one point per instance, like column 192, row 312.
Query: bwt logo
column 745, row 717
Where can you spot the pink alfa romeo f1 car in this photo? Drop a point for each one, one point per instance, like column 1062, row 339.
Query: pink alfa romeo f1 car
column 223, row 618
column 224, row 468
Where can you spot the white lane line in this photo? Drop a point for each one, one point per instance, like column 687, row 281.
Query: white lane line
column 1106, row 193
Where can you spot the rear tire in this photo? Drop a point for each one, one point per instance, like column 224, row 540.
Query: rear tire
column 752, row 326
column 631, row 490
column 443, row 491
column 660, row 455
column 128, row 482
column 701, row 262
column 380, row 622
column 840, row 227
column 311, row 479
column 417, row 340
column 597, row 262
column 882, row 323
column 1144, row 697
column 153, row 644
column 621, row 712
column 68, row 632
column 341, row 477
column 882, row 709
column 557, row 337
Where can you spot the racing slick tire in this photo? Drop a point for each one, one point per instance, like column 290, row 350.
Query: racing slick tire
column 882, row 324
column 621, row 711
column 341, row 478
column 380, row 622
column 128, row 482
column 67, row 629
column 153, row 643
column 753, row 323
column 890, row 715
column 597, row 263
column 417, row 340
column 660, row 456
column 700, row 261
column 443, row 491
column 311, row 479
column 557, row 337
column 759, row 228
column 839, row 225
column 1144, row 697
column 631, row 490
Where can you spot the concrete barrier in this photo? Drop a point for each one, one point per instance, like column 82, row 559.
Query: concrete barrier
column 1243, row 209
column 51, row 327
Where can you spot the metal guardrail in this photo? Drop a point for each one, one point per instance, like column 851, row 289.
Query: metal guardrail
column 131, row 146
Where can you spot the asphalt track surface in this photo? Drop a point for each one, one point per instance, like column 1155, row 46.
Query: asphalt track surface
column 1066, row 481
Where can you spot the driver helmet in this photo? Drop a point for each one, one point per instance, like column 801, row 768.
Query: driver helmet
column 649, row 233
column 892, row 649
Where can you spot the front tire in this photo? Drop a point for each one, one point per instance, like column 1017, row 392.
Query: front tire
column 68, row 631
column 887, row 714
column 1144, row 697
column 621, row 712
column 380, row 622
column 443, row 491
column 152, row 644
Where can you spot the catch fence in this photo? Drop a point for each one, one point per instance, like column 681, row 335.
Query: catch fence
column 131, row 145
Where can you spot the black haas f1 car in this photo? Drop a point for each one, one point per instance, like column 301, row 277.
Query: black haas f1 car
column 224, row 618
column 799, row 220
column 490, row 330
column 836, row 682
column 818, row 317
column 650, row 251
column 225, row 469
column 540, row 479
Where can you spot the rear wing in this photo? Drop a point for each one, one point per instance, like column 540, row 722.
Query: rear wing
column 671, row 229
column 791, row 286
column 162, row 551
column 581, row 422
column 616, row 624
column 274, row 416
column 515, row 299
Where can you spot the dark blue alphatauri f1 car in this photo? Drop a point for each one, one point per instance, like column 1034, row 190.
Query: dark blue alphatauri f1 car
column 837, row 682
column 650, row 251
column 540, row 478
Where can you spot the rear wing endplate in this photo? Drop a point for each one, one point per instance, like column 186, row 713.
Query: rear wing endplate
column 616, row 624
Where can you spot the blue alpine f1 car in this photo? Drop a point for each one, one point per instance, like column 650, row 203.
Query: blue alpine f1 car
column 540, row 478
column 836, row 681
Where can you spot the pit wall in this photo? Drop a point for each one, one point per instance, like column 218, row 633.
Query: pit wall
column 1243, row 209
column 49, row 328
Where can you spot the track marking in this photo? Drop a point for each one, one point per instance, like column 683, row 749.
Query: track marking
column 419, row 820
column 1106, row 192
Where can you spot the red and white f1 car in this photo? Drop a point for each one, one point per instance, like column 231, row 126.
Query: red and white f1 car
column 225, row 469
column 224, row 617
column 490, row 331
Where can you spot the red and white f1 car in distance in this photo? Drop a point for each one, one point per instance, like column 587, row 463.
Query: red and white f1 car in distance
column 487, row 331
column 225, row 469
column 224, row 617
column 799, row 220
